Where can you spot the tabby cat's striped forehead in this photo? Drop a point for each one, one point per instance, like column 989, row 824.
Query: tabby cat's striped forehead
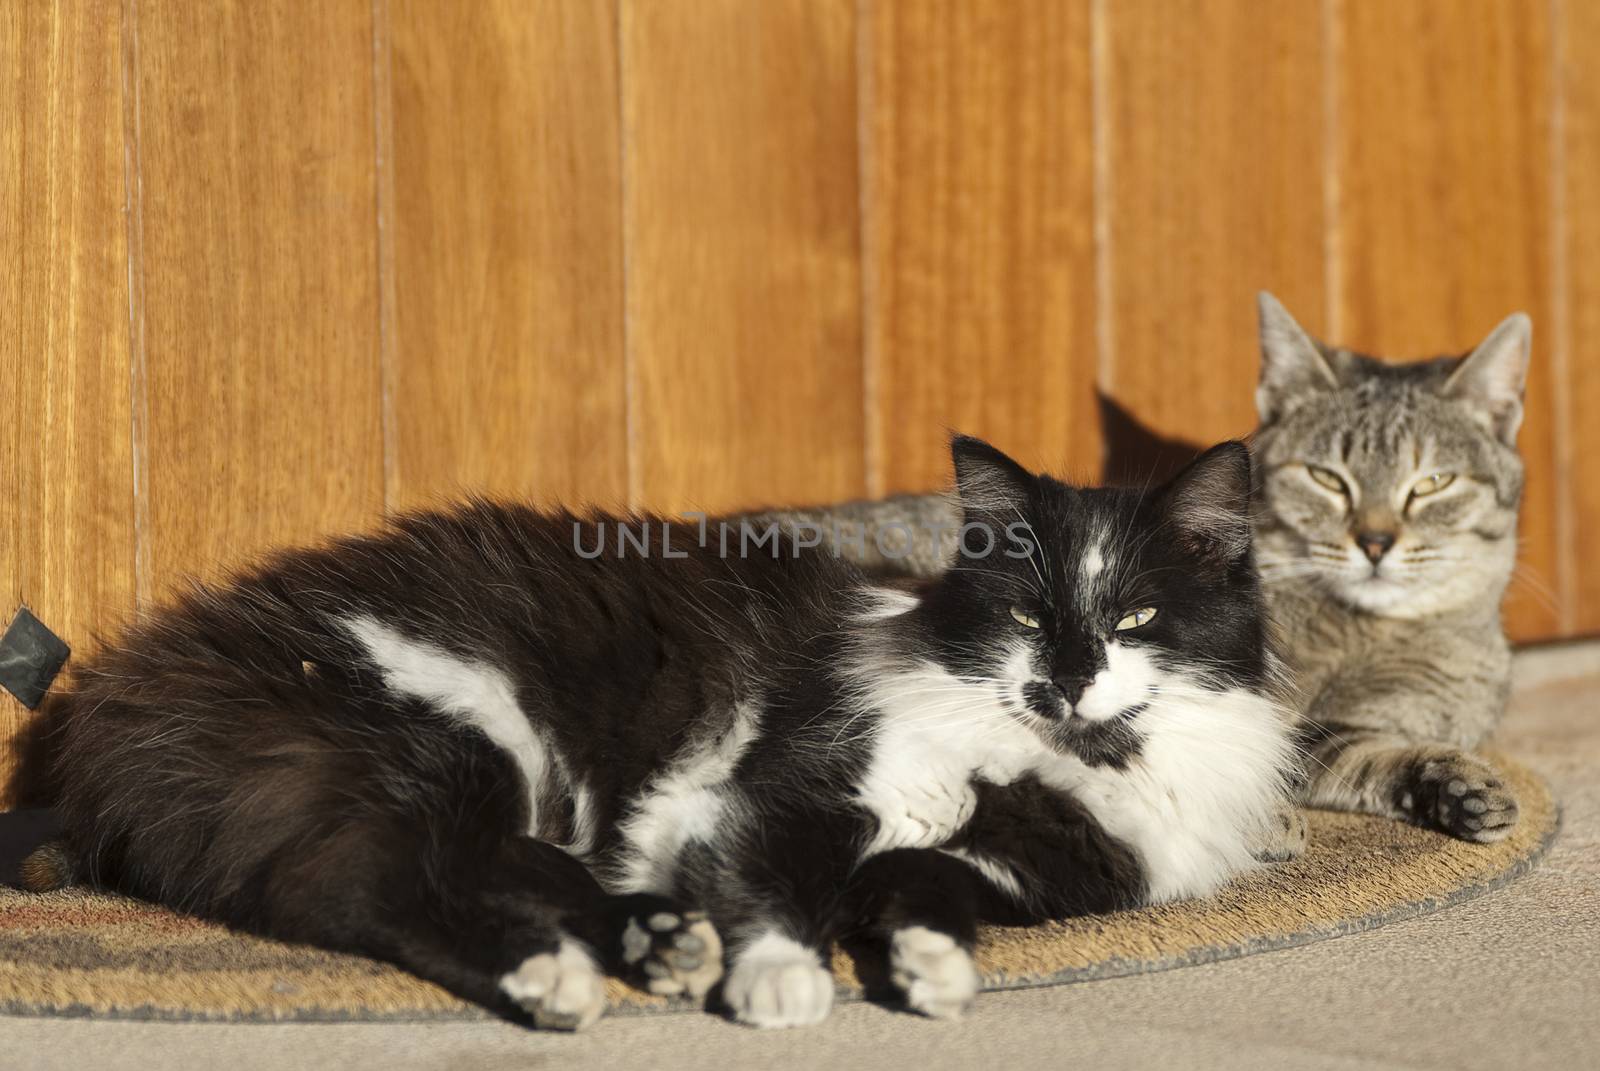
column 1386, row 423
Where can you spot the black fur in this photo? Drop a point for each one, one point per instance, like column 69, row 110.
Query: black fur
column 239, row 755
column 1066, row 863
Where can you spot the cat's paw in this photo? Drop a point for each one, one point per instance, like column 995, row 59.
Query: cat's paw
column 1462, row 797
column 1284, row 837
column 935, row 974
column 778, row 982
column 562, row 990
column 676, row 952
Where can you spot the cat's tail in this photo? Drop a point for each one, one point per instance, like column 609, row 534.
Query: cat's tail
column 47, row 868
column 33, row 855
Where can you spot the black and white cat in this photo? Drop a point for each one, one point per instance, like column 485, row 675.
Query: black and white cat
column 513, row 751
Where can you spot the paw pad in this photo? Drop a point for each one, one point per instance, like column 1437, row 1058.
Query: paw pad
column 1464, row 798
column 677, row 953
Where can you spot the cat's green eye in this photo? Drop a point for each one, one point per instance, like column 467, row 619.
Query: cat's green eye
column 1429, row 485
column 1327, row 478
column 1135, row 618
column 1024, row 618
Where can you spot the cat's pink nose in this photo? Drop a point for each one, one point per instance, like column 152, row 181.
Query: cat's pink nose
column 1375, row 544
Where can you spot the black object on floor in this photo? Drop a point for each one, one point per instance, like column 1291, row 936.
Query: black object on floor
column 30, row 657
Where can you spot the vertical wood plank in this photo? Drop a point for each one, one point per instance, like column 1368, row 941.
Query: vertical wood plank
column 1216, row 163
column 743, row 289
column 980, row 236
column 66, row 474
column 507, row 361
column 1443, row 166
column 260, row 281
column 1579, row 82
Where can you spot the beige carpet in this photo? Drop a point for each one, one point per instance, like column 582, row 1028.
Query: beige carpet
column 77, row 954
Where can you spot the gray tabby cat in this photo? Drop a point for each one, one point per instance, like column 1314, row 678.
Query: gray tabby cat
column 1386, row 535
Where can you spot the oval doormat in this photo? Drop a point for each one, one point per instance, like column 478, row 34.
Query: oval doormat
column 73, row 953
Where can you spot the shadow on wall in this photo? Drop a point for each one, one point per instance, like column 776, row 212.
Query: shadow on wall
column 1135, row 454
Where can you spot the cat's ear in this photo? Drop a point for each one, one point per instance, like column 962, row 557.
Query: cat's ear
column 1292, row 363
column 987, row 481
column 1492, row 377
column 1208, row 503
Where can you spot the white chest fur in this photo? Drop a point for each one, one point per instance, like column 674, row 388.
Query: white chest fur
column 1207, row 779
column 935, row 736
column 1204, row 783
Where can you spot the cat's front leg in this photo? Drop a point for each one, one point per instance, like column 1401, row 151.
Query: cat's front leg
column 1430, row 784
column 919, row 907
column 773, row 881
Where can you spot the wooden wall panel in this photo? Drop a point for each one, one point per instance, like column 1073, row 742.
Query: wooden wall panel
column 506, row 360
column 1215, row 147
column 1579, row 79
column 743, row 266
column 66, row 472
column 980, row 236
column 1444, row 213
column 260, row 278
